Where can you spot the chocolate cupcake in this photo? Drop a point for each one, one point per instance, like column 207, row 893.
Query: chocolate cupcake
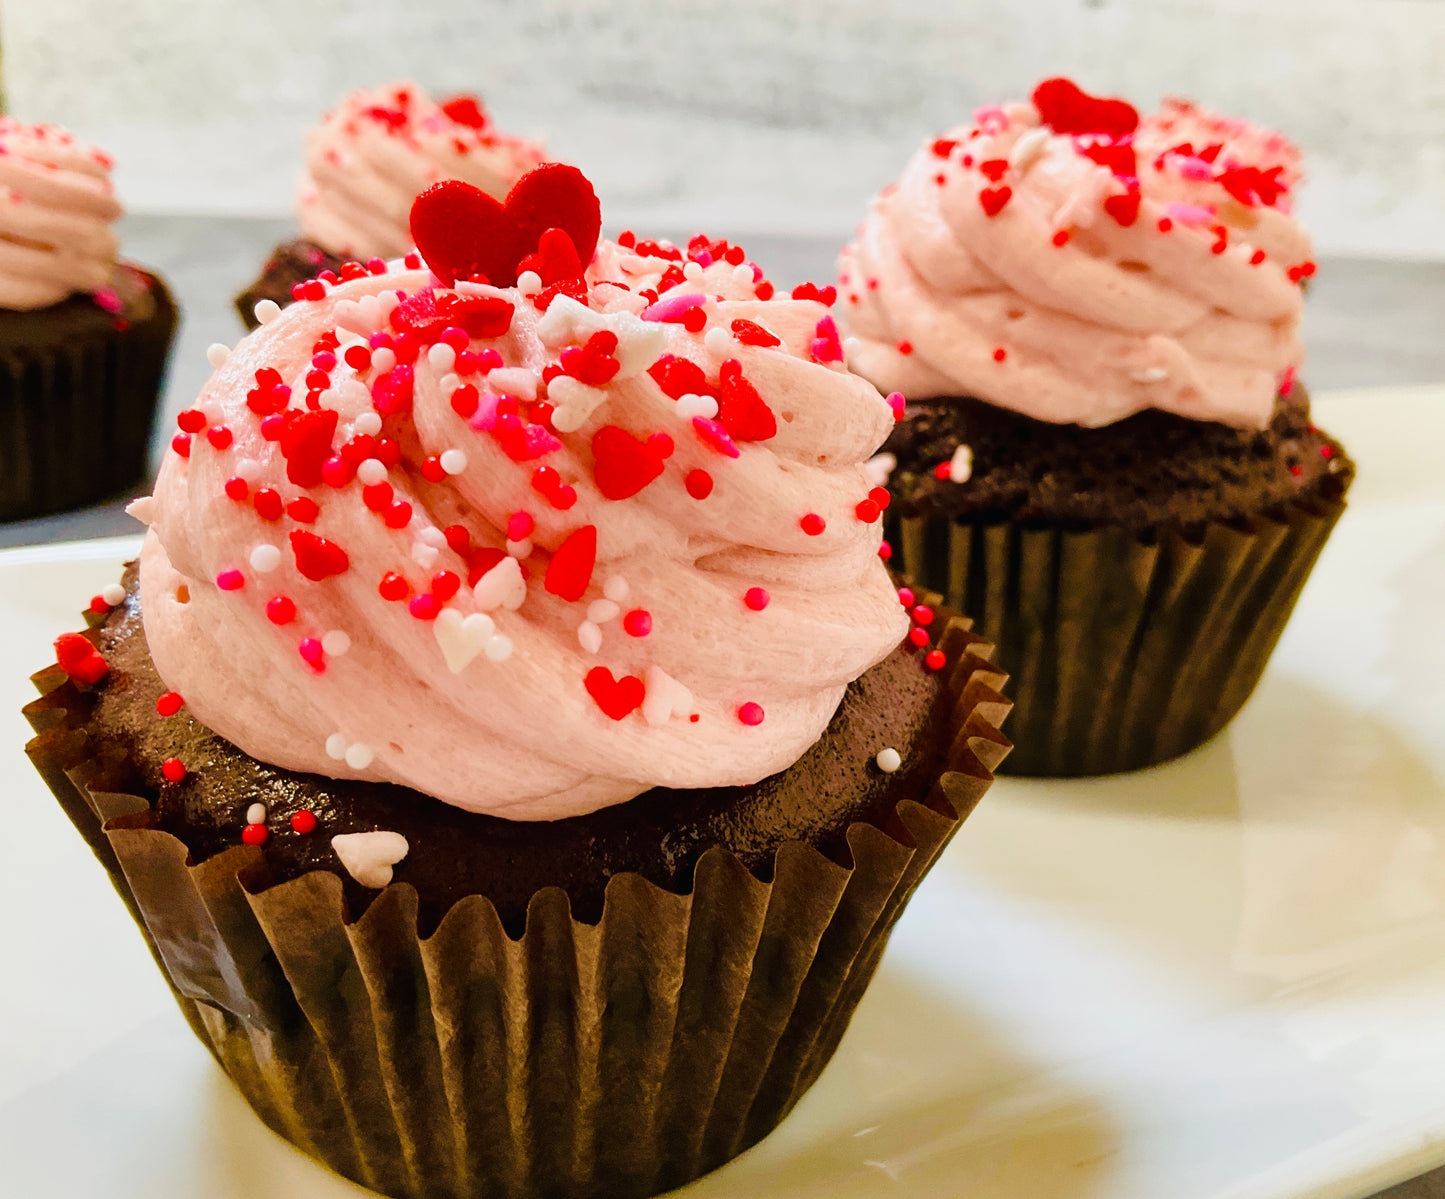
column 513, row 753
column 365, row 163
column 1104, row 456
column 83, row 337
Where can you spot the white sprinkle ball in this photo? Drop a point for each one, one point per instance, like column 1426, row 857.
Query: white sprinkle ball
column 615, row 589
column 265, row 558
column 960, row 466
column 603, row 610
column 889, row 760
column 743, row 275
column 529, row 283
column 359, row 756
column 441, row 356
column 368, row 423
column 336, row 642
column 454, row 461
column 692, row 271
column 498, row 648
column 336, row 746
column 851, row 346
column 388, row 300
column 267, row 311
column 256, row 814
column 113, row 594
column 719, row 341
column 373, row 470
column 589, row 636
column 217, row 353
column 383, row 358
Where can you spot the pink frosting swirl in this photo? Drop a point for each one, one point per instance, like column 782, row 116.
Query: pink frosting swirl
column 438, row 616
column 56, row 213
column 380, row 148
column 1085, row 276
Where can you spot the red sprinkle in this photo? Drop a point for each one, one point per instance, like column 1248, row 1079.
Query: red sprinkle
column 174, row 769
column 317, row 558
column 812, row 524
column 393, row 586
column 268, row 504
column 280, row 610
column 698, row 484
column 465, row 400
column 751, row 713
column 935, row 659
column 337, row 472
column 905, row 596
column 943, row 471
column 918, row 636
column 923, row 614
column 867, row 511
column 637, row 623
column 424, row 606
column 303, row 509
column 310, row 650
column 220, row 437
column 431, row 469
column 181, row 443
column 79, row 659
column 398, row 516
column 880, row 496
column 885, row 551
column 905, row 347
column 230, row 580
column 694, row 320
column 304, row 821
column 98, row 605
column 236, row 488
column 254, row 834
column 570, row 570
column 1165, row 224
column 756, row 598
column 1256, row 258
column 169, row 704
column 444, row 585
column 1061, row 238
column 520, row 526
column 192, row 420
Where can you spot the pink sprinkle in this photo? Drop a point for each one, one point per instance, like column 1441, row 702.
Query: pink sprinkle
column 108, row 298
column 674, row 308
column 896, row 402
column 1286, row 381
column 230, row 580
column 1190, row 214
column 715, row 436
column 520, row 526
column 827, row 346
column 756, row 598
column 751, row 713
column 1193, row 168
column 310, row 649
column 637, row 623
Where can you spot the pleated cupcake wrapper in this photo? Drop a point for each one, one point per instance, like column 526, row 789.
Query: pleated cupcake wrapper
column 1122, row 651
column 617, row 1059
column 76, row 415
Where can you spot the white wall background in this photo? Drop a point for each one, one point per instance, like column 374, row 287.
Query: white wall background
column 736, row 115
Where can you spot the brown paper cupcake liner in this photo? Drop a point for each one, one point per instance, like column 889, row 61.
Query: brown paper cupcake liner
column 291, row 262
column 1123, row 650
column 617, row 1059
column 77, row 402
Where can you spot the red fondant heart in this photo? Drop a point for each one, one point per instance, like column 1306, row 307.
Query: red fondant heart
column 994, row 198
column 616, row 697
column 1067, row 108
column 306, row 444
column 1123, row 208
column 740, row 409
column 571, row 567
column 461, row 231
column 624, row 464
column 317, row 558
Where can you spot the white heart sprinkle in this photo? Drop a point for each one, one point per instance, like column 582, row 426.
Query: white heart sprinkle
column 369, row 857
column 357, row 316
column 501, row 587
column 572, row 402
column 387, row 301
column 336, row 746
column 265, row 558
column 462, row 638
column 689, row 406
column 663, row 698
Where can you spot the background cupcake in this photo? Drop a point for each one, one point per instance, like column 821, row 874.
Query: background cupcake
column 83, row 336
column 366, row 162
column 512, row 749
column 1105, row 457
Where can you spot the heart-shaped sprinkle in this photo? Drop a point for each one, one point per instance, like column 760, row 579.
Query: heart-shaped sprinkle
column 462, row 638
column 826, row 345
column 499, row 580
column 992, row 199
column 689, row 406
column 369, row 857
column 317, row 558
column 305, row 443
column 592, row 363
column 624, row 465
column 1124, row 208
column 749, row 333
column 740, row 409
column 680, row 376
column 665, row 698
column 463, row 232
column 616, row 697
column 1067, row 108
column 79, row 659
column 570, row 570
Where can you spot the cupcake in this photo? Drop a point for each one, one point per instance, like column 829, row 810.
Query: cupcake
column 508, row 739
column 83, row 336
column 365, row 164
column 1105, row 456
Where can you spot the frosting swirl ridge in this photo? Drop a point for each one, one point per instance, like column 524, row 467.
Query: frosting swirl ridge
column 1074, row 263
column 529, row 561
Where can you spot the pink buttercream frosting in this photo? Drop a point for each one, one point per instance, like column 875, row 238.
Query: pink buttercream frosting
column 56, row 213
column 497, row 704
column 1083, row 277
column 381, row 147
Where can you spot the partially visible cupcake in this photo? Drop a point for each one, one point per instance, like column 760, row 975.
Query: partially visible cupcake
column 366, row 162
column 510, row 740
column 83, row 336
column 1105, row 457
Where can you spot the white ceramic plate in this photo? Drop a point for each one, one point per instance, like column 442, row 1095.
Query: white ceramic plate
column 1224, row 977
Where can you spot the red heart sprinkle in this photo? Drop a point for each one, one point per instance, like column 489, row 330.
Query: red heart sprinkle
column 993, row 170
column 592, row 363
column 461, row 231
column 993, row 199
column 751, row 334
column 624, row 464
column 616, row 697
column 1066, row 108
column 740, row 409
column 392, row 392
column 79, row 659
column 466, row 109
column 305, row 443
column 679, row 377
column 570, row 570
column 317, row 558
column 1123, row 208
